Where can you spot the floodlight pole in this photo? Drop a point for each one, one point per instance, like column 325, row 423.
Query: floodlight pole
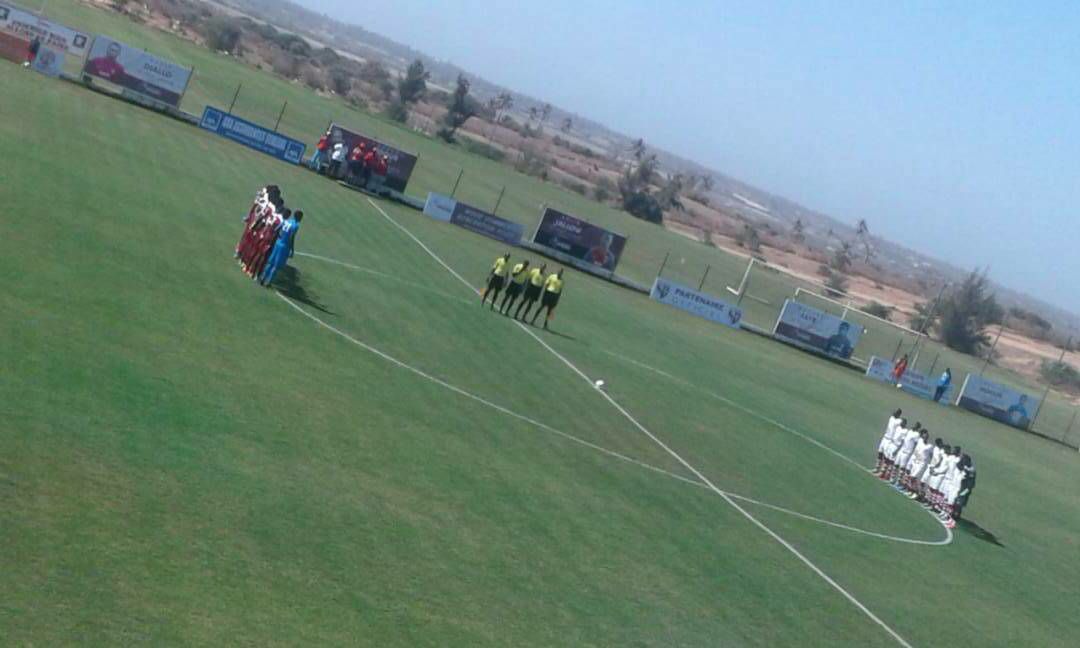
column 1046, row 392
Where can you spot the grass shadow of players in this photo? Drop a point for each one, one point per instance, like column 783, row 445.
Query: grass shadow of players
column 288, row 283
column 557, row 334
column 978, row 532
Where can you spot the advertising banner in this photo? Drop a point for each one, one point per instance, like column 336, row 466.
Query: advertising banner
column 447, row 209
column 587, row 246
column 817, row 330
column 49, row 61
column 439, row 207
column 695, row 302
column 22, row 26
column 252, row 135
column 137, row 71
column 996, row 401
column 399, row 163
column 913, row 382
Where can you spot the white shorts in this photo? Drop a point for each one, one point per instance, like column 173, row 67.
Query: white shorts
column 902, row 458
column 917, row 469
column 935, row 482
column 884, row 446
column 891, row 451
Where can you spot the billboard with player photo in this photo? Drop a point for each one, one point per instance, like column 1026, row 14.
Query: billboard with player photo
column 19, row 27
column 996, row 401
column 137, row 71
column 400, row 164
column 585, row 245
column 816, row 330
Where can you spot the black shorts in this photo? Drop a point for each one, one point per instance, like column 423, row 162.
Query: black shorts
column 496, row 282
column 550, row 299
column 532, row 293
column 514, row 289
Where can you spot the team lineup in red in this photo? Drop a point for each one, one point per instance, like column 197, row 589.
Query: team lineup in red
column 939, row 476
column 269, row 236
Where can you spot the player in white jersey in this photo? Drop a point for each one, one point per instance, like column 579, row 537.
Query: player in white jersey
column 951, row 486
column 940, row 481
column 935, row 460
column 886, row 441
column 920, row 458
column 903, row 455
column 893, row 448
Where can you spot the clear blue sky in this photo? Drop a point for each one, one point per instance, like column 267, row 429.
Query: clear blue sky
column 952, row 127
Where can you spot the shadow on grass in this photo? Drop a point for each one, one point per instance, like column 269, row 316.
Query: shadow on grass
column 973, row 529
column 288, row 282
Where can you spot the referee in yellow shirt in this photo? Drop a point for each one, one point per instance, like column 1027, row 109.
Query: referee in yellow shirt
column 519, row 275
column 496, row 279
column 553, row 287
column 532, row 291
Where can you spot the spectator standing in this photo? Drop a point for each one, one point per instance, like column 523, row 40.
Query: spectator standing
column 32, row 51
column 337, row 159
column 320, row 152
column 943, row 385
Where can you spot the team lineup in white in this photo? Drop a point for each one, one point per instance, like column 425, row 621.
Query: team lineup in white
column 941, row 477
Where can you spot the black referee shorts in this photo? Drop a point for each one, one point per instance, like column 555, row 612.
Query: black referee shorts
column 532, row 293
column 551, row 299
column 496, row 283
column 514, row 289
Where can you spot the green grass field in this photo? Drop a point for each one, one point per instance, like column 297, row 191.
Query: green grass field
column 190, row 459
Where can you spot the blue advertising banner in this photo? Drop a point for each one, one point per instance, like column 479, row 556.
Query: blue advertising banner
column 252, row 135
column 815, row 330
column 996, row 401
column 698, row 303
column 913, row 382
column 447, row 209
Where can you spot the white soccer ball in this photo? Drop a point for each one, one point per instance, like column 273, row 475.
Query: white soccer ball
column 599, row 384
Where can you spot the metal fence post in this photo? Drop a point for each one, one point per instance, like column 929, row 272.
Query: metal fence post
column 1068, row 430
column 498, row 201
column 235, row 96
column 456, row 182
column 703, row 275
column 281, row 114
column 663, row 264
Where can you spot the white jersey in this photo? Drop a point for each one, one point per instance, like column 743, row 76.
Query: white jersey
column 937, row 479
column 951, row 486
column 924, row 450
column 890, row 430
column 935, row 460
column 907, row 448
column 899, row 434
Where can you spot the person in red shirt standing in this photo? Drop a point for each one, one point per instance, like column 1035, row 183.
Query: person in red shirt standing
column 371, row 161
column 320, row 152
column 378, row 180
column 899, row 369
column 32, row 51
column 356, row 161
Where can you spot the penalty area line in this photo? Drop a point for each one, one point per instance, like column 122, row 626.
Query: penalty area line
column 742, row 408
column 686, row 464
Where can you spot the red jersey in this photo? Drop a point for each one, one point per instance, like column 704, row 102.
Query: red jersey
column 323, row 144
column 106, row 68
column 356, row 154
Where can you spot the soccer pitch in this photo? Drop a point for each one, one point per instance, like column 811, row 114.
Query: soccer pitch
column 369, row 457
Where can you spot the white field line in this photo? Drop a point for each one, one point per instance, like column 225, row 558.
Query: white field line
column 384, row 275
column 611, row 453
column 727, row 401
column 686, row 464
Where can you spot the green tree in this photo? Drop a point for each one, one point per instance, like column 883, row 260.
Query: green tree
column 567, row 126
column 222, row 34
column 458, row 111
column 877, row 310
column 413, row 85
column 966, row 312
